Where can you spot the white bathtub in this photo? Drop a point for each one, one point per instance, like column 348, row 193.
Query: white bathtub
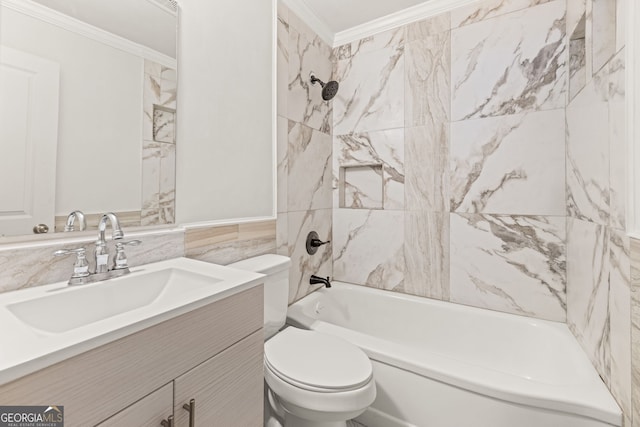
column 439, row 364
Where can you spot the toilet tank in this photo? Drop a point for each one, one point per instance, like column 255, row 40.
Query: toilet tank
column 276, row 288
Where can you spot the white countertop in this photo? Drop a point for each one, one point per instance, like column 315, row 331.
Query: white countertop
column 25, row 349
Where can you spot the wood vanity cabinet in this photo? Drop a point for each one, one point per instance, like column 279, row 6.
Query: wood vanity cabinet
column 212, row 355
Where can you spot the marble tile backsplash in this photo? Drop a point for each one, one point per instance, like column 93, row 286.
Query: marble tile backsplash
column 158, row 144
column 26, row 265
column 33, row 264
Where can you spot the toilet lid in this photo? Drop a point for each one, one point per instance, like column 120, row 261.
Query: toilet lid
column 313, row 361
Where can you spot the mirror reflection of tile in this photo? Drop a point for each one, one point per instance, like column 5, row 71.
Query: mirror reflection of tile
column 164, row 124
column 159, row 145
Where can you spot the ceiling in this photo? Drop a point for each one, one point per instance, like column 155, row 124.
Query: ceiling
column 341, row 15
column 150, row 23
column 343, row 21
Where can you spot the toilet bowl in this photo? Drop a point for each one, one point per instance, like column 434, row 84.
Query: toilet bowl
column 317, row 379
column 312, row 379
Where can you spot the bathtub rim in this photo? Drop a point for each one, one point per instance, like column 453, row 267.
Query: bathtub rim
column 590, row 398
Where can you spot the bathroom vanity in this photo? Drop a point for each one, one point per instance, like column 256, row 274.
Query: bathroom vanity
column 205, row 363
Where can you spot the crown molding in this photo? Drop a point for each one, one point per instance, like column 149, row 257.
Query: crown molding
column 74, row 25
column 398, row 19
column 307, row 15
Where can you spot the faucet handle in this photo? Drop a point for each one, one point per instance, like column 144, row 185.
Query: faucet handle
column 120, row 261
column 81, row 266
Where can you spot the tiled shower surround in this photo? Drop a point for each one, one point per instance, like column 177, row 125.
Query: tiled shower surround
column 477, row 157
column 304, row 151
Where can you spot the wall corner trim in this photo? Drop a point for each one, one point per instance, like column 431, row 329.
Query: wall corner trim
column 36, row 10
column 398, row 19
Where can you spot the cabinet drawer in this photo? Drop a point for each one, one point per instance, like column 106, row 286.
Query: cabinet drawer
column 101, row 382
column 228, row 389
column 147, row 412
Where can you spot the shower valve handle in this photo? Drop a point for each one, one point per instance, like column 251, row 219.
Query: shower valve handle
column 316, row 243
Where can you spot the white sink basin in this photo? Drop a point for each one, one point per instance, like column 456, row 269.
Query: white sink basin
column 61, row 312
column 47, row 324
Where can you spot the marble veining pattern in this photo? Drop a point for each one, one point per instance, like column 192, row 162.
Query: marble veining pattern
column 426, row 253
column 368, row 247
column 588, row 268
column 150, row 182
column 620, row 317
column 361, row 187
column 309, row 164
column 167, row 194
column 228, row 252
column 618, row 156
column 509, row 165
column 387, row 39
column 426, row 168
column 282, row 233
column 588, row 160
column 371, row 94
column 427, row 81
column 603, row 18
column 635, row 331
column 514, row 264
column 432, row 26
column 486, row 82
column 487, row 9
column 33, row 266
column 577, row 66
column 303, row 265
column 384, row 148
column 158, row 144
column 308, row 53
column 164, row 126
column 282, row 158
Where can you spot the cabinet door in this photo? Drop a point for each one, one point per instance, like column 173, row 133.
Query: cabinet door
column 147, row 412
column 227, row 388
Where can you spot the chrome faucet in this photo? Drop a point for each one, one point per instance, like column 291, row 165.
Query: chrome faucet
column 101, row 251
column 69, row 226
column 120, row 266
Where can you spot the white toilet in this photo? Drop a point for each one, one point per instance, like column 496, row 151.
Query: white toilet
column 313, row 379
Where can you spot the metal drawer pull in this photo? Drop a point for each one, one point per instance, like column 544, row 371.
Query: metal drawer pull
column 191, row 409
column 168, row 422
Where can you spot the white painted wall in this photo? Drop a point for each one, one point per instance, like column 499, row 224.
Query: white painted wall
column 225, row 161
column 99, row 163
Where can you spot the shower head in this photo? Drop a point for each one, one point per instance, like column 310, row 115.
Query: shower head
column 329, row 89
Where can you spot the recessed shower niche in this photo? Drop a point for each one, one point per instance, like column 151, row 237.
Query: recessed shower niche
column 361, row 187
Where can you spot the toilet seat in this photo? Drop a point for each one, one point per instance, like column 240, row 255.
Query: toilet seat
column 317, row 362
column 318, row 376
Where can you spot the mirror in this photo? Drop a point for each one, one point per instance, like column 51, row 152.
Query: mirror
column 87, row 112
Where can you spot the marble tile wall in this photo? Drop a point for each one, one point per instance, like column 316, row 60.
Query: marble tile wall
column 635, row 332
column 470, row 144
column 598, row 249
column 230, row 243
column 462, row 173
column 26, row 265
column 304, row 151
column 158, row 145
